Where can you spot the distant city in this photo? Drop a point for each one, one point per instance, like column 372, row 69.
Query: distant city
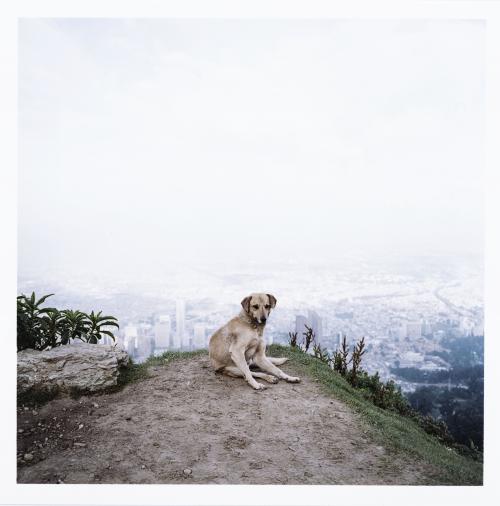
column 403, row 310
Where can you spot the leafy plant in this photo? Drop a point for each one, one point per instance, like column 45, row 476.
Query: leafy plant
column 40, row 328
column 97, row 322
column 30, row 331
column 292, row 339
column 308, row 338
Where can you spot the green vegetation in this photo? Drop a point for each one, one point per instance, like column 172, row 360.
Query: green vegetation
column 461, row 404
column 40, row 327
column 136, row 372
column 399, row 433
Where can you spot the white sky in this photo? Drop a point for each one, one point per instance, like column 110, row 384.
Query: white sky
column 200, row 140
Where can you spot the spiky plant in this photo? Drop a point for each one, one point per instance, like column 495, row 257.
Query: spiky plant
column 96, row 322
column 30, row 322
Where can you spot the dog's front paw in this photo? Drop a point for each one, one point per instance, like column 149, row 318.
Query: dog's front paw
column 270, row 379
column 259, row 386
column 292, row 379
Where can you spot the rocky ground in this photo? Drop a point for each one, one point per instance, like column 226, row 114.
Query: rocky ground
column 185, row 424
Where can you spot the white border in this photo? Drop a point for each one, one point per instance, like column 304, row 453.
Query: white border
column 10, row 492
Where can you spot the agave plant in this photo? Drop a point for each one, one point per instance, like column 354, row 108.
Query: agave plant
column 30, row 322
column 74, row 325
column 96, row 323
column 52, row 323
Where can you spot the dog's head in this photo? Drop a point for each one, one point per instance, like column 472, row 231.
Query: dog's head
column 258, row 306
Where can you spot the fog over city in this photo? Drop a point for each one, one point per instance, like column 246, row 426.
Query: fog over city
column 146, row 142
column 170, row 167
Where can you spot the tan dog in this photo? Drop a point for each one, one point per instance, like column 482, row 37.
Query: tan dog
column 239, row 344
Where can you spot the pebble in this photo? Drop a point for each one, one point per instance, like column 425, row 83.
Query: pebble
column 80, row 426
column 35, row 413
column 128, row 418
column 143, row 466
column 28, row 457
column 81, row 445
column 187, row 471
column 20, row 431
column 95, row 404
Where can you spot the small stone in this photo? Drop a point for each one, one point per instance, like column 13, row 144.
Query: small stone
column 187, row 471
column 28, row 457
column 35, row 412
column 95, row 405
column 20, row 431
column 26, row 409
column 81, row 445
column 60, row 435
column 80, row 426
column 156, row 444
column 143, row 466
column 128, row 418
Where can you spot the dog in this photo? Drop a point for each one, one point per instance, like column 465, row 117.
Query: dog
column 239, row 344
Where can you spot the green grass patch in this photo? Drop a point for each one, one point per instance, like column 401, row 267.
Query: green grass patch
column 137, row 372
column 397, row 433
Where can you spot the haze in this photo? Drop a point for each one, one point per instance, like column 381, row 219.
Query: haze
column 148, row 142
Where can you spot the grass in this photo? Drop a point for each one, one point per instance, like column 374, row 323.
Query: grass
column 136, row 372
column 396, row 432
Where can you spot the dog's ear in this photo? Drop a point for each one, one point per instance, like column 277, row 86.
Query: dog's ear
column 272, row 300
column 245, row 303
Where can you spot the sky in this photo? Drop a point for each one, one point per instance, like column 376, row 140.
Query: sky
column 143, row 143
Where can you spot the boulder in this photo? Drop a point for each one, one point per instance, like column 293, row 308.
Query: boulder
column 72, row 368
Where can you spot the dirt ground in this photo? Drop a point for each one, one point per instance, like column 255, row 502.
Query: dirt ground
column 187, row 425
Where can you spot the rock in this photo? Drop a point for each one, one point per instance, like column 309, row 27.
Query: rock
column 20, row 431
column 95, row 405
column 80, row 426
column 187, row 471
column 28, row 456
column 69, row 368
column 81, row 445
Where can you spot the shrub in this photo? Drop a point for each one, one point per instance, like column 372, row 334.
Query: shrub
column 387, row 396
column 41, row 328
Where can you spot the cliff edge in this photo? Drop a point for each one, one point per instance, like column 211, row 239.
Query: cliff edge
column 181, row 423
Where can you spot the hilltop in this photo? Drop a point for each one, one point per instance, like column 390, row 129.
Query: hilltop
column 174, row 421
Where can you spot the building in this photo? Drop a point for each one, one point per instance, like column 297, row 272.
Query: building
column 300, row 324
column 180, row 324
column 162, row 332
column 414, row 330
column 199, row 339
column 129, row 339
column 144, row 346
column 316, row 323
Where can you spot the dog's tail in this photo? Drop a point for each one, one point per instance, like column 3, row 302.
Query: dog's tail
column 277, row 361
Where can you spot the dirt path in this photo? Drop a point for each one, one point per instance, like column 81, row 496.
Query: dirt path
column 204, row 428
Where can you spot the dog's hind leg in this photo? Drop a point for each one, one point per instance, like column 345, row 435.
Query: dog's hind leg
column 277, row 361
column 236, row 373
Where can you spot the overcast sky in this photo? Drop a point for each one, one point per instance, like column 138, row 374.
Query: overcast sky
column 162, row 140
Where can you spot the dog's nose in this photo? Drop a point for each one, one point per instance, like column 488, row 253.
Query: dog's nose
column 263, row 319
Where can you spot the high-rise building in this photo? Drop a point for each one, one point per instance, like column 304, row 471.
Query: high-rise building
column 300, row 324
column 129, row 338
column 199, row 340
column 180, row 322
column 162, row 332
column 316, row 323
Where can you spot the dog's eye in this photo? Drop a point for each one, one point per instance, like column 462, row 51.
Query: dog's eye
column 255, row 306
column 267, row 306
